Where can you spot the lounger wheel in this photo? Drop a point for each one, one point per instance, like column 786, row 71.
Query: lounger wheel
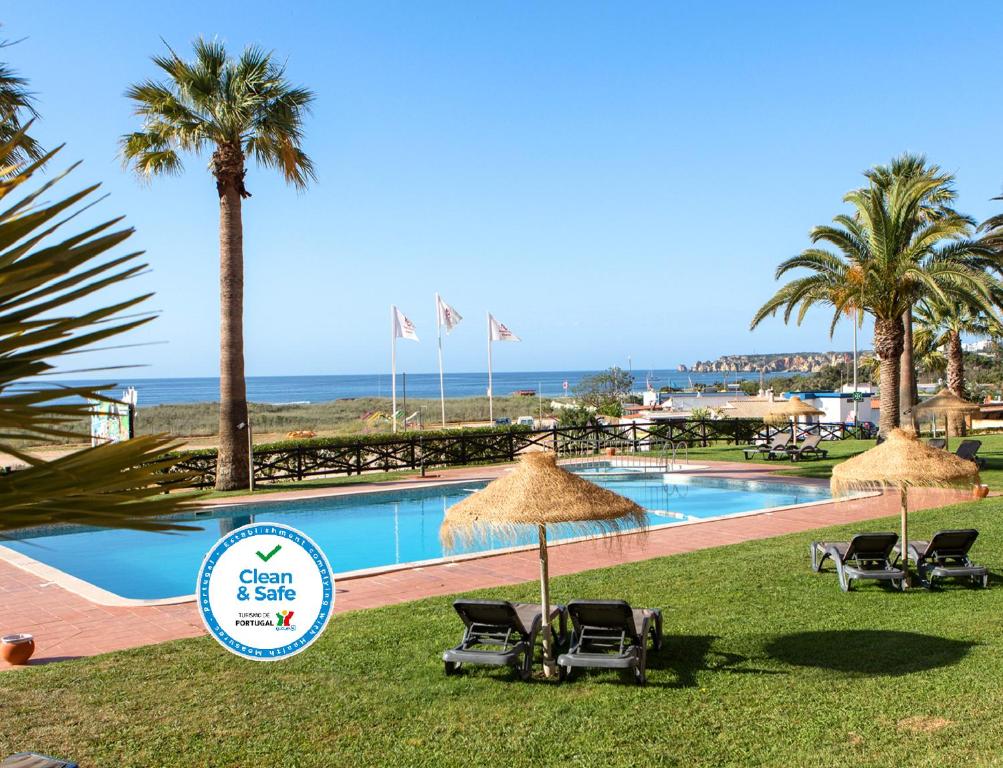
column 452, row 668
column 563, row 674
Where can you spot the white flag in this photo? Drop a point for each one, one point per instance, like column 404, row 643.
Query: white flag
column 403, row 328
column 449, row 318
column 499, row 332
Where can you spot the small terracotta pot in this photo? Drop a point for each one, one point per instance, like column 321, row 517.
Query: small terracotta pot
column 980, row 491
column 17, row 649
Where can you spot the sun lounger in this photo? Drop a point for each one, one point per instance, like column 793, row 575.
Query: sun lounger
column 34, row 760
column 499, row 633
column 945, row 556
column 937, row 442
column 768, row 450
column 865, row 556
column 808, row 449
column 609, row 634
column 969, row 450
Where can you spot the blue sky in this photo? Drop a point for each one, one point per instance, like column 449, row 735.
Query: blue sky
column 608, row 179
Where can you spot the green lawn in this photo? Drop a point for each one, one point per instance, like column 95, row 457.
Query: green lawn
column 992, row 451
column 765, row 663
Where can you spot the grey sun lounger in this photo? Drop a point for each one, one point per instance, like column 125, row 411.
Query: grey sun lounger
column 808, row 449
column 945, row 556
column 768, row 450
column 937, row 442
column 969, row 450
column 865, row 556
column 499, row 633
column 609, row 634
column 34, row 760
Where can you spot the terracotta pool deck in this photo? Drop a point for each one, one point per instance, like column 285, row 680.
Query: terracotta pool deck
column 66, row 625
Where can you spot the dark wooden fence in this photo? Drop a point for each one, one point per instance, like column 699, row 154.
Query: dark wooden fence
column 415, row 451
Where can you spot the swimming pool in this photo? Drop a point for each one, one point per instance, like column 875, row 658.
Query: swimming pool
column 362, row 531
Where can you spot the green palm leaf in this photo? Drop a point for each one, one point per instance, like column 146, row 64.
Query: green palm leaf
column 44, row 275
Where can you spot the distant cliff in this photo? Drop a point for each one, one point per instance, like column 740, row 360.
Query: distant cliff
column 795, row 362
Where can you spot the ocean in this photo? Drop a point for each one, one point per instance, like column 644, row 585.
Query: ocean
column 317, row 389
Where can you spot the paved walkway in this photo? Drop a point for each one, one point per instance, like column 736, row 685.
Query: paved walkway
column 66, row 625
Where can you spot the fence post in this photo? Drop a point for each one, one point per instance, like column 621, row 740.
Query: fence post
column 413, row 463
column 555, row 438
column 299, row 462
column 358, row 458
column 703, row 432
column 633, row 436
column 511, row 447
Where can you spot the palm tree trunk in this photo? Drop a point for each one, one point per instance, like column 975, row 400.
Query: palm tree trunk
column 907, row 372
column 888, row 347
column 955, row 380
column 232, row 463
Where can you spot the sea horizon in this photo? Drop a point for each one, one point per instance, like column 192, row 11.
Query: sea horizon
column 318, row 388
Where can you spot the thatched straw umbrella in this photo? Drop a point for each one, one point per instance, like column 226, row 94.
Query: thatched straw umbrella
column 900, row 462
column 947, row 404
column 538, row 493
column 792, row 409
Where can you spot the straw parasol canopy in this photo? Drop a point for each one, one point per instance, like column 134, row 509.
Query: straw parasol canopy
column 538, row 493
column 947, row 404
column 901, row 462
column 792, row 409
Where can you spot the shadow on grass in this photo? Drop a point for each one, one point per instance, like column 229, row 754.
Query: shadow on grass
column 868, row 652
column 686, row 655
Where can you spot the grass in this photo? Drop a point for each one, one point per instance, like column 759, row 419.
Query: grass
column 765, row 663
column 336, row 417
column 840, row 450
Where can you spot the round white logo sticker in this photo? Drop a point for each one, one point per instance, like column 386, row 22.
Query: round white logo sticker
column 265, row 591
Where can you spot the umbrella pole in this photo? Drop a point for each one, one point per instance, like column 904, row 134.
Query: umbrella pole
column 548, row 655
column 904, row 541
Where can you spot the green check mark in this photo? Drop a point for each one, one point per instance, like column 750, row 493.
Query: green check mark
column 266, row 558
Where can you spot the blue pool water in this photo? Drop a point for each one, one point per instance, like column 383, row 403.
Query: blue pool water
column 361, row 531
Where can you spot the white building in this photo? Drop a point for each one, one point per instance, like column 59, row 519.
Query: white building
column 839, row 406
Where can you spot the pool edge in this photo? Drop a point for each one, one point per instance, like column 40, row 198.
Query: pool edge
column 101, row 596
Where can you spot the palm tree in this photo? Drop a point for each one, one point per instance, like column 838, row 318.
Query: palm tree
column 236, row 109
column 938, row 204
column 940, row 325
column 883, row 257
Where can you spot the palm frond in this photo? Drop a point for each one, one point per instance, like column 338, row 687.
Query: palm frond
column 213, row 101
column 43, row 280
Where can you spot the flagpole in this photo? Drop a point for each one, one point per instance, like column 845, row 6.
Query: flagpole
column 438, row 331
column 393, row 364
column 491, row 402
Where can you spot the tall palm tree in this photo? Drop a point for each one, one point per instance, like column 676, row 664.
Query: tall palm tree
column 235, row 109
column 882, row 257
column 938, row 204
column 940, row 325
